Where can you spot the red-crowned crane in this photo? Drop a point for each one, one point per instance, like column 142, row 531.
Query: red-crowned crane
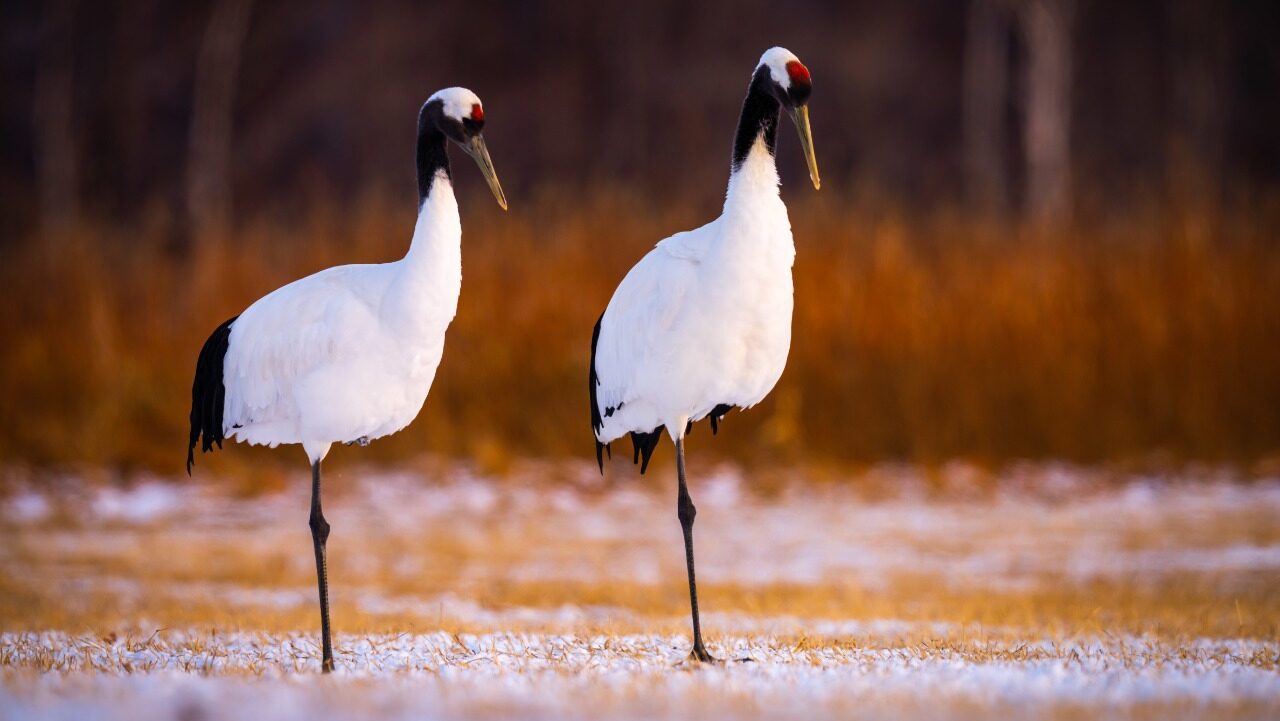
column 702, row 324
column 347, row 355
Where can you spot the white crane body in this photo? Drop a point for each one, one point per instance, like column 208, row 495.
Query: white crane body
column 702, row 324
column 347, row 354
column 704, row 319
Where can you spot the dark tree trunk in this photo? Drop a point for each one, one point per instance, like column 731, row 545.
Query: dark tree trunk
column 1047, row 33
column 55, row 146
column 217, row 71
column 986, row 88
column 1198, row 61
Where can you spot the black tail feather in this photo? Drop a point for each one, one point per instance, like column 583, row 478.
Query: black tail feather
column 601, row 449
column 208, row 394
column 643, row 445
column 716, row 414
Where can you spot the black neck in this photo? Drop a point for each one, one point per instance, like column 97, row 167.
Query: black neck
column 759, row 116
column 432, row 156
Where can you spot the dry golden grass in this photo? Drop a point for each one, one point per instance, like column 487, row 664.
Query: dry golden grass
column 228, row 563
column 918, row 338
column 1178, row 609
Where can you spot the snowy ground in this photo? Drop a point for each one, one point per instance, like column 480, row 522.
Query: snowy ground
column 1044, row 592
column 554, row 676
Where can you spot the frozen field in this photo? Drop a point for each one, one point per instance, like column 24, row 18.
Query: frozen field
column 1045, row 592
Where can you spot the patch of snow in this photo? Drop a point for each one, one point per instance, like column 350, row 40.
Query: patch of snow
column 528, row 675
column 28, row 507
column 143, row 503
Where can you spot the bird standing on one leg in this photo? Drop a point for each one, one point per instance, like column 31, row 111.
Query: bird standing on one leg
column 702, row 324
column 347, row 355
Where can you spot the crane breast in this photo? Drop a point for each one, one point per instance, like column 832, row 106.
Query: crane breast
column 686, row 332
column 313, row 361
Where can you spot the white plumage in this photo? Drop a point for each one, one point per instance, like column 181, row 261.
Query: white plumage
column 348, row 354
column 705, row 318
column 702, row 324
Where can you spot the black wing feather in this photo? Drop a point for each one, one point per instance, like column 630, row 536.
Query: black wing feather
column 208, row 394
column 593, row 381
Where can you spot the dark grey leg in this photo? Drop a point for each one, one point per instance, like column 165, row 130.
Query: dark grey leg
column 319, row 536
column 687, row 512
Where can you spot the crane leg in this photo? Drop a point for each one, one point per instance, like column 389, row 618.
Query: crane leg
column 319, row 536
column 686, row 510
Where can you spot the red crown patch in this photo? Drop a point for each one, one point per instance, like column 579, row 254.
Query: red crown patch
column 799, row 73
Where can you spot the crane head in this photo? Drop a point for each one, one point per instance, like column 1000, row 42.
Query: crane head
column 458, row 113
column 791, row 85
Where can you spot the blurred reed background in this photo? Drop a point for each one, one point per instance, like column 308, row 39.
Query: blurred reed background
column 1047, row 229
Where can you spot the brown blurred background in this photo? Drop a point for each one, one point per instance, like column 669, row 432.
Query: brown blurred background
column 1047, row 229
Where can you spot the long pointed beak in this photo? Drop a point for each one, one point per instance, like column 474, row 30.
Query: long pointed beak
column 475, row 147
column 800, row 115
